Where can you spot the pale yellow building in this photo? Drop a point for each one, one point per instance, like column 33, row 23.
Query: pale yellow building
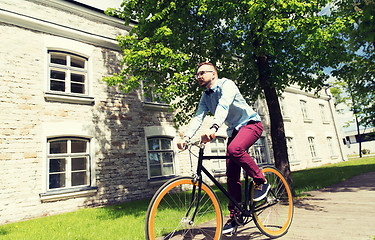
column 69, row 141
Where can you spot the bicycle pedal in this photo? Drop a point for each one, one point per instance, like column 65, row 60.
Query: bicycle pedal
column 232, row 233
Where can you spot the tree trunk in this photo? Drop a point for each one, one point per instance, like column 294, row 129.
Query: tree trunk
column 359, row 137
column 277, row 124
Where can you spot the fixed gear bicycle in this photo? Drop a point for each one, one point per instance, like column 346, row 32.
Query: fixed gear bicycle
column 188, row 208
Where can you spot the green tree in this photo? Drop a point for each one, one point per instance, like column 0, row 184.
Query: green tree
column 263, row 45
column 355, row 85
column 361, row 24
column 345, row 92
column 358, row 71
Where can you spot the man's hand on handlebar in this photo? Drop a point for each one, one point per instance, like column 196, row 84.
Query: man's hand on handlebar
column 182, row 145
column 208, row 136
column 205, row 138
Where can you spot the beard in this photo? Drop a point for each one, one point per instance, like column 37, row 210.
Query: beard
column 204, row 83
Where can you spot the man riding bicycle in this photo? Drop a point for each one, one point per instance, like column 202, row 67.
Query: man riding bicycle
column 223, row 99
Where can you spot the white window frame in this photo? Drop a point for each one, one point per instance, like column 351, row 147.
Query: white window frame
column 283, row 109
column 312, row 147
column 53, row 43
column 323, row 113
column 69, row 70
column 331, row 146
column 160, row 151
column 217, row 149
column 68, row 156
column 150, row 102
column 259, row 151
column 291, row 150
column 304, row 110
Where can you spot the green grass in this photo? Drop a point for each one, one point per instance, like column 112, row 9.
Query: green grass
column 324, row 176
column 126, row 221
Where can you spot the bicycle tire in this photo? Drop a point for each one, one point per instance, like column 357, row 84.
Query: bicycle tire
column 166, row 219
column 273, row 215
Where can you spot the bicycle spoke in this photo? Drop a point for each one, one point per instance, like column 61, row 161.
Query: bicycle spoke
column 273, row 215
column 173, row 213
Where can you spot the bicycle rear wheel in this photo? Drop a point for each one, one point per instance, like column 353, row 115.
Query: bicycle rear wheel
column 171, row 209
column 273, row 215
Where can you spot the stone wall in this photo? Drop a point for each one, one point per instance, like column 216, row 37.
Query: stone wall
column 114, row 122
column 28, row 118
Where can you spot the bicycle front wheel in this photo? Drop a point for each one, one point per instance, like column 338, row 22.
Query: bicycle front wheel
column 273, row 215
column 169, row 215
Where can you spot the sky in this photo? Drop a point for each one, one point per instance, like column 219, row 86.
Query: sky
column 102, row 4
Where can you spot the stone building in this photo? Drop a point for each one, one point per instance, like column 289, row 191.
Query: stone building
column 69, row 141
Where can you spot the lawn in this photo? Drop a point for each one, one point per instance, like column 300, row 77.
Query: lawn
column 127, row 220
column 320, row 177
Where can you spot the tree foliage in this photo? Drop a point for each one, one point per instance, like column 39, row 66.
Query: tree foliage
column 355, row 88
column 264, row 46
column 171, row 37
column 356, row 76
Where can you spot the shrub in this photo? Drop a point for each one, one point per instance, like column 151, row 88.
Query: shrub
column 365, row 151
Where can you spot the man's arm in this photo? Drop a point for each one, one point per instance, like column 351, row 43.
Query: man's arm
column 229, row 91
column 195, row 123
column 197, row 120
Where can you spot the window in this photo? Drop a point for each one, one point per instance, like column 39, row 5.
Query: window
column 160, row 157
column 151, row 97
column 151, row 100
column 348, row 141
column 283, row 110
column 254, row 106
column 282, row 106
column 304, row 110
column 68, row 163
column 331, row 147
column 219, row 148
column 148, row 95
column 291, row 151
column 323, row 113
column 259, row 150
column 67, row 73
column 312, row 148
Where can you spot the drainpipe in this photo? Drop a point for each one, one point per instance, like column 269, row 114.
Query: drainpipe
column 334, row 122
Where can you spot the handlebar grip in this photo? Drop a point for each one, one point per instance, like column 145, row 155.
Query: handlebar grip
column 212, row 136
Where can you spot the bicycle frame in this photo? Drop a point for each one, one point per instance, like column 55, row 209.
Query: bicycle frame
column 170, row 213
column 200, row 169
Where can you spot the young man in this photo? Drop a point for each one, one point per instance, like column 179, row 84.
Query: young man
column 223, row 98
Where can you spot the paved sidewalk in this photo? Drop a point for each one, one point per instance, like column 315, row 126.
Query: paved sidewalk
column 342, row 211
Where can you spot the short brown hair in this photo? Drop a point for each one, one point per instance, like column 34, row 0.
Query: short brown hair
column 207, row 63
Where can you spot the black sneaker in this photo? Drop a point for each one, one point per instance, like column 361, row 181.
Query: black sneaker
column 230, row 227
column 261, row 191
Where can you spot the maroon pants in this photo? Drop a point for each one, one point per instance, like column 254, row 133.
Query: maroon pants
column 238, row 158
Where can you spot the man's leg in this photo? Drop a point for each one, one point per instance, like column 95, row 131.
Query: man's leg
column 238, row 157
column 237, row 150
column 234, row 189
column 233, row 182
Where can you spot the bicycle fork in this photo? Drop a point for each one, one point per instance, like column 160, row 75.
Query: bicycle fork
column 197, row 179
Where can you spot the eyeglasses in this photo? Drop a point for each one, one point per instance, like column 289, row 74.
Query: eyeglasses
column 201, row 73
